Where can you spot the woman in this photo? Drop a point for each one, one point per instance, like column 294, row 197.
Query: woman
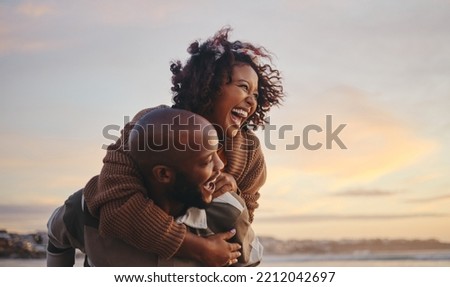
column 230, row 85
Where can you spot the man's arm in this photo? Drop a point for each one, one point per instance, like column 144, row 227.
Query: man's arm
column 229, row 211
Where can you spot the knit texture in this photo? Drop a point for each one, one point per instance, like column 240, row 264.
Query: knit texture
column 119, row 199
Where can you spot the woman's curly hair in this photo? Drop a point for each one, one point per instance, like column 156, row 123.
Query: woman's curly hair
column 197, row 85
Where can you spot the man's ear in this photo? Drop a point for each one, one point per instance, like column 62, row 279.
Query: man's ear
column 163, row 173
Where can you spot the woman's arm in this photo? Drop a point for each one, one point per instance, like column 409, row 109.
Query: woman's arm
column 246, row 163
column 119, row 199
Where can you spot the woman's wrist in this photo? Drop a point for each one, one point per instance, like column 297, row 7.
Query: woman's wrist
column 192, row 247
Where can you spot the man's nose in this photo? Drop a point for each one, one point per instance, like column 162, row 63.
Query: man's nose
column 218, row 164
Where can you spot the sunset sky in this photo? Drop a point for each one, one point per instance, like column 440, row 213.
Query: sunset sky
column 382, row 68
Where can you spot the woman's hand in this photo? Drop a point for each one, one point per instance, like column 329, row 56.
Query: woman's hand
column 220, row 252
column 214, row 250
column 225, row 183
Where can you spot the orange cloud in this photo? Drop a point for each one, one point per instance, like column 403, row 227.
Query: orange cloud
column 45, row 170
column 21, row 29
column 378, row 143
column 34, row 9
column 137, row 12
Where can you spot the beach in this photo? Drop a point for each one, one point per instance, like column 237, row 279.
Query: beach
column 288, row 261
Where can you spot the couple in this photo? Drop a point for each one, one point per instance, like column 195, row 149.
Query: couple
column 233, row 86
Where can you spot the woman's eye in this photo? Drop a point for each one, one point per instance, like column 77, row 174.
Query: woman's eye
column 244, row 87
column 256, row 95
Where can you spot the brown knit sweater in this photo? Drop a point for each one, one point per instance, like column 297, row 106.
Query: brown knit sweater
column 119, row 198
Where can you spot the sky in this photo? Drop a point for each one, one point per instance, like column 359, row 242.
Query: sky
column 378, row 70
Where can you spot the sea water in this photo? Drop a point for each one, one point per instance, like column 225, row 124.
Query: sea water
column 403, row 259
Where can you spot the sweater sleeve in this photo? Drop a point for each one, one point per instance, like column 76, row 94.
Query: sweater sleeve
column 119, row 198
column 254, row 175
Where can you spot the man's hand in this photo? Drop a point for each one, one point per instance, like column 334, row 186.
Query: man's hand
column 225, row 183
column 211, row 251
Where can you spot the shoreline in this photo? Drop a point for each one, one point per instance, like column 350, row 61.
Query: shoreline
column 275, row 261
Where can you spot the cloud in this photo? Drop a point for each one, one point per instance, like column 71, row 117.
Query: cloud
column 366, row 193
column 45, row 170
column 20, row 152
column 28, row 28
column 34, row 10
column 23, row 46
column 350, row 217
column 138, row 12
column 25, row 218
column 25, row 209
column 378, row 142
column 430, row 199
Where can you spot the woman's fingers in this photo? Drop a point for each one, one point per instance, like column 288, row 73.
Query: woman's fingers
column 225, row 183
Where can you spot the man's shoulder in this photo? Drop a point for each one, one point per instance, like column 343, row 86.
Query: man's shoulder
column 231, row 199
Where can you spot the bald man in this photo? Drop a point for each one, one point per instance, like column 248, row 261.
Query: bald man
column 176, row 152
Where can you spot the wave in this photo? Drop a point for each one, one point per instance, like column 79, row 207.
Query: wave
column 363, row 256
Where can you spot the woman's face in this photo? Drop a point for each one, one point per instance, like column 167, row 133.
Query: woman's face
column 236, row 101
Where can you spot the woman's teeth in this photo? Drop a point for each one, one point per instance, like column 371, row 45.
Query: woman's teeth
column 238, row 115
column 240, row 112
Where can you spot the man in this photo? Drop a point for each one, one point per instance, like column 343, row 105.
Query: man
column 176, row 152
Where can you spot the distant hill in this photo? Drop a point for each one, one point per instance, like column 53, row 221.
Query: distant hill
column 284, row 247
column 13, row 245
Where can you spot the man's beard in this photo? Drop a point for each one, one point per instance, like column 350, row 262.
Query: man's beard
column 186, row 192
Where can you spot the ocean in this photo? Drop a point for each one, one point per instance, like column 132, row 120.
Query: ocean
column 409, row 259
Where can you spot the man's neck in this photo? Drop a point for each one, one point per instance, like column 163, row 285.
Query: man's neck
column 178, row 210
column 171, row 207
